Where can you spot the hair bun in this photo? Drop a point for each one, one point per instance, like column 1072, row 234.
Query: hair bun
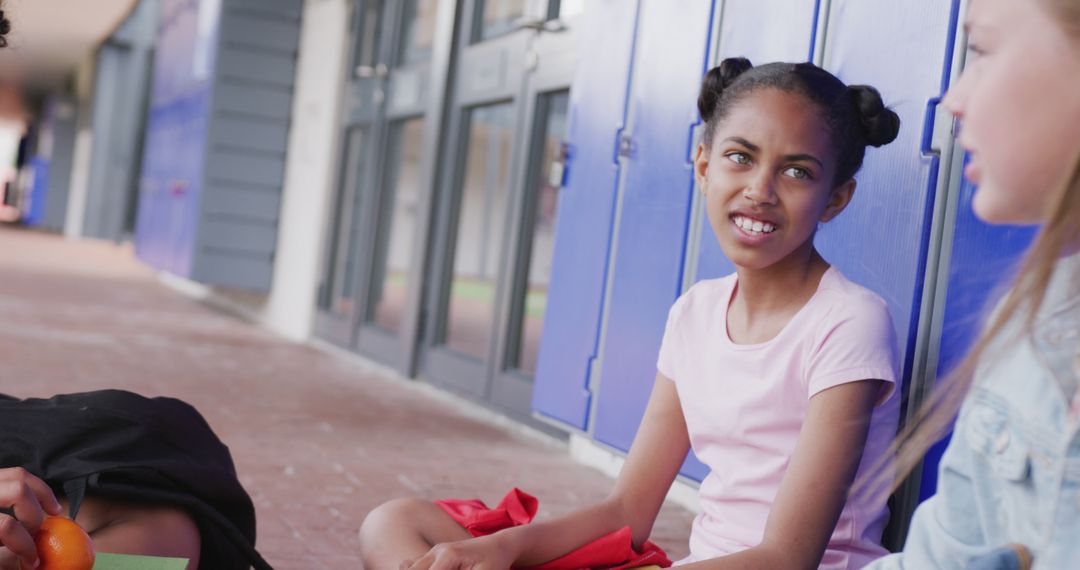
column 880, row 124
column 5, row 28
column 716, row 81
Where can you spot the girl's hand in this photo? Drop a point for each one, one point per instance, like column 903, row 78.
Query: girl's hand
column 24, row 500
column 483, row 553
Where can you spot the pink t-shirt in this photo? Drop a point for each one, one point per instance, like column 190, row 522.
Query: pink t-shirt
column 745, row 403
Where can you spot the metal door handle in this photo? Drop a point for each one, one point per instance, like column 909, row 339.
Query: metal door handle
column 541, row 25
column 379, row 71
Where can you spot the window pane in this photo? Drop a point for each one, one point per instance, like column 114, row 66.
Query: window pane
column 543, row 199
column 419, row 32
column 483, row 192
column 565, row 8
column 498, row 17
column 338, row 284
column 367, row 34
column 397, row 226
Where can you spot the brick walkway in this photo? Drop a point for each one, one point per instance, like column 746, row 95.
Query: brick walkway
column 319, row 439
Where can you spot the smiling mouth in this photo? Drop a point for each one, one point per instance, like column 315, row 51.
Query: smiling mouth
column 752, row 226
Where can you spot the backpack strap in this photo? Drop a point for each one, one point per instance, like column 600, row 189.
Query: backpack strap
column 75, row 490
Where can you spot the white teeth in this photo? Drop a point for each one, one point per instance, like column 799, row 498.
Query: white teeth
column 753, row 226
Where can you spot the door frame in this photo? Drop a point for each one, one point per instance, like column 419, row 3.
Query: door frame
column 489, row 73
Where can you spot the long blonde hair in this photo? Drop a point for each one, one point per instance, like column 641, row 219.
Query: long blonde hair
column 1059, row 234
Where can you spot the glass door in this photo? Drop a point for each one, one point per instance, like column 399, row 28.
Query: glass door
column 385, row 326
column 495, row 216
column 339, row 289
column 364, row 301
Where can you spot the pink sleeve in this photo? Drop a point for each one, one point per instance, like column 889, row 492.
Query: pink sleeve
column 856, row 342
column 670, row 346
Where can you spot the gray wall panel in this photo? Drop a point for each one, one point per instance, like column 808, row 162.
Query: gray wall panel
column 247, row 142
column 249, row 133
column 240, row 234
column 121, row 86
column 255, row 100
column 233, row 167
column 256, row 65
column 281, row 8
column 231, row 269
column 260, row 32
column 232, row 200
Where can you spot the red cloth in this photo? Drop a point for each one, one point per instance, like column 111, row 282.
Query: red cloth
column 612, row 552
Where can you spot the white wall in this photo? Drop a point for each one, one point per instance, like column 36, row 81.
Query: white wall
column 309, row 168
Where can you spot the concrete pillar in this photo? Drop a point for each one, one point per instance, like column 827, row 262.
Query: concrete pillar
column 309, row 168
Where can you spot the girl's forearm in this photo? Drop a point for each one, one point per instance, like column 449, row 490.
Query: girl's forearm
column 537, row 543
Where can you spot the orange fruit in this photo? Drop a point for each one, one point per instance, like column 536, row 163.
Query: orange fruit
column 63, row 545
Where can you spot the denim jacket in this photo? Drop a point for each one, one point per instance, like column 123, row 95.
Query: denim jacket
column 1011, row 473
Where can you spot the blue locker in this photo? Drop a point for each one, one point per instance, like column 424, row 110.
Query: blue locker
column 34, row 206
column 170, row 187
column 658, row 195
column 672, row 54
column 586, row 213
column 984, row 260
column 881, row 241
column 764, row 32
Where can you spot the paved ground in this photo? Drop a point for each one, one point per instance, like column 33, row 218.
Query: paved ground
column 319, row 439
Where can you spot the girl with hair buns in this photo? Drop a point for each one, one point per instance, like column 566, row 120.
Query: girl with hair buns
column 1008, row 491
column 779, row 375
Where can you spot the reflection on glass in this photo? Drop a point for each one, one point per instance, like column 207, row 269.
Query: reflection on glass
column 539, row 231
column 482, row 195
column 339, row 286
column 397, row 225
column 498, row 17
column 367, row 34
column 566, row 8
column 419, row 32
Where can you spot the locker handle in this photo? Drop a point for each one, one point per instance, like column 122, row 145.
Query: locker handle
column 624, row 145
column 937, row 131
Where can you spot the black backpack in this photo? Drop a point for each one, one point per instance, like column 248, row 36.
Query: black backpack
column 119, row 445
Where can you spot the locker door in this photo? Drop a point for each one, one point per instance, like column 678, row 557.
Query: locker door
column 486, row 283
column 762, row 31
column 882, row 240
column 888, row 237
column 586, row 211
column 672, row 51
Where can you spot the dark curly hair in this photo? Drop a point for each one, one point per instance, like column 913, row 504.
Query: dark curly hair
column 856, row 115
column 5, row 28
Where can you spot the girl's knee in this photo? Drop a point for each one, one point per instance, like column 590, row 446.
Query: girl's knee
column 396, row 516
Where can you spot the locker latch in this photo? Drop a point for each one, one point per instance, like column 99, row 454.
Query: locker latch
column 557, row 172
column 626, row 145
column 937, row 128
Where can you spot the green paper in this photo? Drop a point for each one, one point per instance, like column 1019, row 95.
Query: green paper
column 106, row 561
